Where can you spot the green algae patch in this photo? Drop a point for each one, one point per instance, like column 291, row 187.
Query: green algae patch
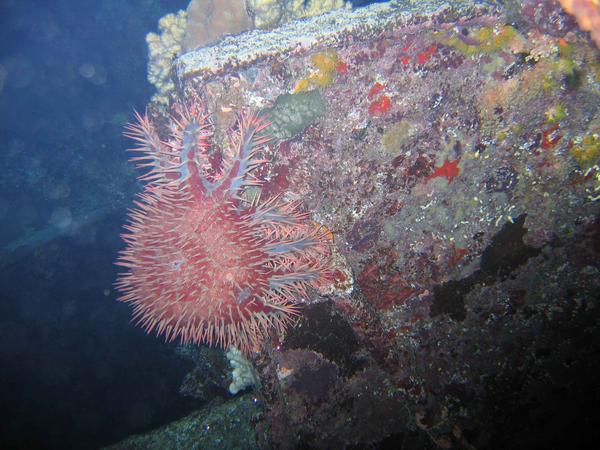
column 555, row 114
column 587, row 152
column 396, row 136
column 478, row 41
column 292, row 113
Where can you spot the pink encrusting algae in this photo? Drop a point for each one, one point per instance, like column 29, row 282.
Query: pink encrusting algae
column 204, row 263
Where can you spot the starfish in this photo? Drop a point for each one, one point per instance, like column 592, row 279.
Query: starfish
column 204, row 263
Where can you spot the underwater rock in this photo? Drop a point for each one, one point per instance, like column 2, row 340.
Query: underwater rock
column 217, row 426
column 450, row 144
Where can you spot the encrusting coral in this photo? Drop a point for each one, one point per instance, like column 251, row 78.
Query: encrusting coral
column 163, row 47
column 209, row 20
column 206, row 21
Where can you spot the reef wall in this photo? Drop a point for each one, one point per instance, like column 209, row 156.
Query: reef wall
column 452, row 151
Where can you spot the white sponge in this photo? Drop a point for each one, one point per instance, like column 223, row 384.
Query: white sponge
column 243, row 374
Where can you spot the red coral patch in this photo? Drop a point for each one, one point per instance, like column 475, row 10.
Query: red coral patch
column 380, row 106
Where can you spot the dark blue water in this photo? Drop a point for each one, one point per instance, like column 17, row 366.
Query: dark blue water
column 73, row 372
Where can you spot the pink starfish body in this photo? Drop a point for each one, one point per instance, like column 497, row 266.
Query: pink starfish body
column 204, row 263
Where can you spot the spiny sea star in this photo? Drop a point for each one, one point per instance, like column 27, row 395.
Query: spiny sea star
column 204, row 263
